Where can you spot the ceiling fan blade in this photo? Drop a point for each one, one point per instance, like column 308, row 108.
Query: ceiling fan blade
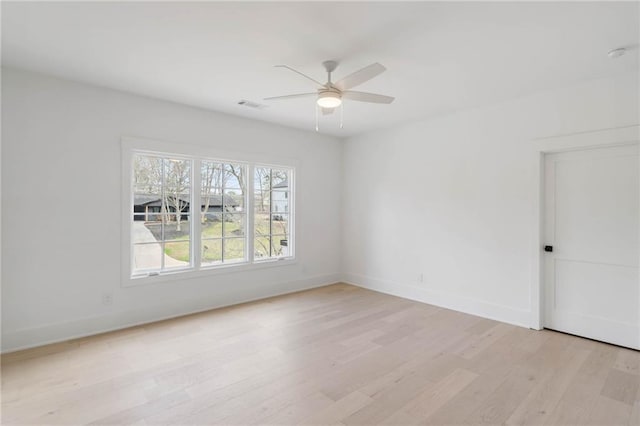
column 297, row 95
column 359, row 77
column 368, row 97
column 298, row 72
column 327, row 111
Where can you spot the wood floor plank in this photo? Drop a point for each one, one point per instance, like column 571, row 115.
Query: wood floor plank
column 476, row 344
column 339, row 410
column 392, row 399
column 579, row 400
column 628, row 361
column 471, row 399
column 426, row 403
column 621, row 386
column 537, row 407
column 295, row 413
column 634, row 417
column 337, row 355
column 506, row 397
column 606, row 411
column 138, row 413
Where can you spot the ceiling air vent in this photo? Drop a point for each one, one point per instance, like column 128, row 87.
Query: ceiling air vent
column 251, row 104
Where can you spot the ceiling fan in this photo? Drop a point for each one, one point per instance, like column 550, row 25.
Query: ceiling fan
column 329, row 95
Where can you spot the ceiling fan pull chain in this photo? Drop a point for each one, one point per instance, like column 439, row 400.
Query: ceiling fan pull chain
column 317, row 109
column 342, row 115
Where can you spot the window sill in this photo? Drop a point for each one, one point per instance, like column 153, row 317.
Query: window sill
column 187, row 274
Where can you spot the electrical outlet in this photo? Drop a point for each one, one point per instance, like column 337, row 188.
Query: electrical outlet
column 421, row 278
column 107, row 299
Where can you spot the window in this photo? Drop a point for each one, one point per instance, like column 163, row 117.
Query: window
column 223, row 216
column 195, row 213
column 271, row 212
column 161, row 230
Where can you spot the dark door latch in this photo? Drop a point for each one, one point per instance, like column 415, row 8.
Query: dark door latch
column 548, row 249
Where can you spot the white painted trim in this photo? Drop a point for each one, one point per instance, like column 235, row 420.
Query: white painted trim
column 539, row 147
column 63, row 331
column 536, row 296
column 638, row 325
column 193, row 150
column 250, row 208
column 231, row 268
column 475, row 307
column 590, row 139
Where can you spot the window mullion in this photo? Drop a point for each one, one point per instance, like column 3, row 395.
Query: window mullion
column 223, row 213
column 291, row 214
column 270, row 212
column 196, row 203
column 249, row 200
column 163, row 209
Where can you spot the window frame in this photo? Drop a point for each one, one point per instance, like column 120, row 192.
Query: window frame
column 247, row 257
column 164, row 156
column 271, row 212
column 130, row 146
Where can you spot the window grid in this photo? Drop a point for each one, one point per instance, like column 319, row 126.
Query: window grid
column 226, row 215
column 161, row 214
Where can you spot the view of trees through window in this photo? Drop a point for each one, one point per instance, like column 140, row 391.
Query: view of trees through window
column 223, row 215
column 271, row 205
column 161, row 216
column 162, row 213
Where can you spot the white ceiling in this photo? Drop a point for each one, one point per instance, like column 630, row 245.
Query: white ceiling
column 440, row 56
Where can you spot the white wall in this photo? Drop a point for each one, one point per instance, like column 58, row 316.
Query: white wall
column 61, row 237
column 453, row 198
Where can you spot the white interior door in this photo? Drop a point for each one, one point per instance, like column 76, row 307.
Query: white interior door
column 592, row 215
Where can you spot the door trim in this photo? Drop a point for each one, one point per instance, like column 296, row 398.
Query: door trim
column 627, row 135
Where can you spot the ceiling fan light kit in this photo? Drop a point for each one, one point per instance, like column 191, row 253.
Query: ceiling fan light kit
column 329, row 99
column 329, row 95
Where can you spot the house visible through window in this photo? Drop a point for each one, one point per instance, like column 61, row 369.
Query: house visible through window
column 169, row 234
column 161, row 233
column 272, row 218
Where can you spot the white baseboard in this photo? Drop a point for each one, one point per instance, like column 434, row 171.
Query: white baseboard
column 479, row 308
column 53, row 333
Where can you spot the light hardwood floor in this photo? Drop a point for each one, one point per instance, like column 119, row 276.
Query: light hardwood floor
column 338, row 355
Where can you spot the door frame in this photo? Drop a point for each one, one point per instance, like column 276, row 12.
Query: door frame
column 627, row 135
